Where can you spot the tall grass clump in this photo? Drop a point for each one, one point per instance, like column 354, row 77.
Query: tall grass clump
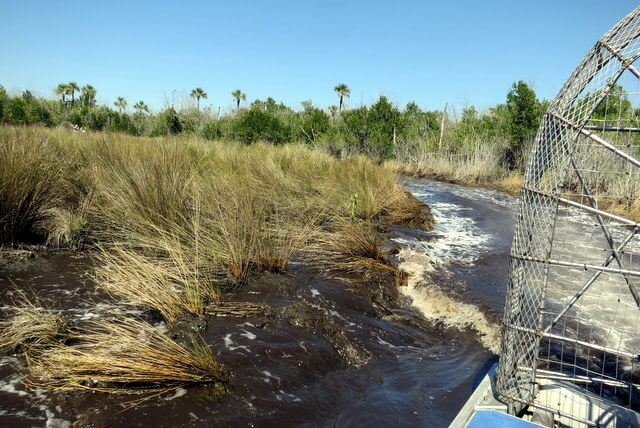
column 27, row 325
column 140, row 187
column 178, row 218
column 348, row 244
column 30, row 174
column 122, row 356
column 171, row 283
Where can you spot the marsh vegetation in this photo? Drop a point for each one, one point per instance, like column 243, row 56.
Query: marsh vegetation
column 171, row 223
column 467, row 146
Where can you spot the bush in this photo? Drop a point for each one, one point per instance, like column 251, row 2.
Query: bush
column 261, row 125
column 98, row 118
column 17, row 111
column 171, row 121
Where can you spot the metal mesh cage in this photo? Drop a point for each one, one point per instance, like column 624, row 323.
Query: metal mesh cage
column 570, row 332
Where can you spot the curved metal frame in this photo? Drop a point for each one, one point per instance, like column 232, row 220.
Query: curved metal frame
column 564, row 129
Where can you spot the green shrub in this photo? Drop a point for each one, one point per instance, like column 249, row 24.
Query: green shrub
column 261, row 125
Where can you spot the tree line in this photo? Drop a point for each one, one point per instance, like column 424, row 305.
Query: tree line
column 381, row 130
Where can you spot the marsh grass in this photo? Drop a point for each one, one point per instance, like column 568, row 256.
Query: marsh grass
column 348, row 244
column 176, row 219
column 29, row 176
column 64, row 227
column 171, row 284
column 28, row 325
column 122, row 356
column 477, row 164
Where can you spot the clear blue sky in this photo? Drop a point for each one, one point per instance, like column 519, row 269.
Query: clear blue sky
column 461, row 52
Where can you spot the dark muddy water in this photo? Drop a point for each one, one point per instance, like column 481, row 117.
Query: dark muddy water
column 329, row 356
column 475, row 228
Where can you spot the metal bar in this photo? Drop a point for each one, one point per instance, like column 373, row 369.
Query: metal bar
column 592, row 210
column 572, row 365
column 625, row 61
column 605, row 229
column 561, row 414
column 606, row 128
column 547, row 374
column 610, row 147
column 575, row 342
column 598, row 140
column 602, row 64
column 576, row 265
column 593, row 279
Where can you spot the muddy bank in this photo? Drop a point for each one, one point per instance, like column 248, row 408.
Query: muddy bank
column 334, row 349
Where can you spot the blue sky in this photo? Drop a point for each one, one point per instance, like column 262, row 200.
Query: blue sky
column 460, row 52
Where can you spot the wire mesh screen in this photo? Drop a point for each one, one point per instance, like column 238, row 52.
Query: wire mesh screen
column 571, row 325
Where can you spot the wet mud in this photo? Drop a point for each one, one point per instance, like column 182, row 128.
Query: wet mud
column 334, row 348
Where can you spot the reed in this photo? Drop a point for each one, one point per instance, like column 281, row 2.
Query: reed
column 177, row 218
column 29, row 181
column 122, row 356
column 27, row 325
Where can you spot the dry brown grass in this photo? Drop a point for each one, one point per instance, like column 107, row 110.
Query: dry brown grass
column 64, row 227
column 122, row 356
column 28, row 325
column 510, row 183
column 179, row 218
column 29, row 181
column 350, row 244
column 176, row 220
column 481, row 168
column 481, row 164
column 172, row 284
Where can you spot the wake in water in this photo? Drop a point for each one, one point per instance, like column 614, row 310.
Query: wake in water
column 436, row 305
column 459, row 241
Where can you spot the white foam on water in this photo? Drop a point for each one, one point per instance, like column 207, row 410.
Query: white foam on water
column 269, row 376
column 436, row 305
column 385, row 343
column 10, row 387
column 53, row 422
column 232, row 346
column 315, row 293
column 458, row 241
column 248, row 334
column 180, row 392
column 283, row 394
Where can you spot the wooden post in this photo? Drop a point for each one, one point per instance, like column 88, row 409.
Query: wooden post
column 444, row 115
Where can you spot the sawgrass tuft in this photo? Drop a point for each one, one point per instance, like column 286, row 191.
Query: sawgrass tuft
column 171, row 284
column 122, row 356
column 27, row 325
column 351, row 245
column 29, row 176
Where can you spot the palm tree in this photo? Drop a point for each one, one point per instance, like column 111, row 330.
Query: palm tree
column 198, row 93
column 89, row 95
column 343, row 91
column 238, row 95
column 72, row 87
column 141, row 107
column 121, row 103
column 61, row 90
